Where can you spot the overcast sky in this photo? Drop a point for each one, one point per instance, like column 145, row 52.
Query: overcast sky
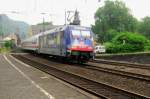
column 29, row 10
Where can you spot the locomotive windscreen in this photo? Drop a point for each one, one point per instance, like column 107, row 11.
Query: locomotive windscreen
column 86, row 34
column 81, row 33
column 81, row 40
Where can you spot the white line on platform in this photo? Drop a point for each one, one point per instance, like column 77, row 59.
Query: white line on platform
column 28, row 78
column 81, row 91
column 20, row 61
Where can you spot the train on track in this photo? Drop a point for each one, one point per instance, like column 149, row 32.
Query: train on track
column 72, row 42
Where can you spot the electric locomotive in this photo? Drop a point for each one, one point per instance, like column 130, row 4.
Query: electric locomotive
column 71, row 42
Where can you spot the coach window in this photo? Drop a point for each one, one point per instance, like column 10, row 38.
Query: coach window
column 49, row 40
column 45, row 41
column 58, row 38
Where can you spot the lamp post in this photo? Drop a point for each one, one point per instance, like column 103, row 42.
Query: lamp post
column 1, row 27
column 65, row 16
column 51, row 17
column 43, row 21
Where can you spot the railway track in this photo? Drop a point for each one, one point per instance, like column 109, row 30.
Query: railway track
column 102, row 90
column 121, row 73
column 118, row 63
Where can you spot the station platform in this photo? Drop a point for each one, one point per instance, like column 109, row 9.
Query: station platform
column 21, row 81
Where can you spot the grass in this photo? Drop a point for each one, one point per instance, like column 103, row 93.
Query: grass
column 5, row 50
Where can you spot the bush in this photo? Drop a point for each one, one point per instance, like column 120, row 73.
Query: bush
column 128, row 42
column 111, row 48
column 8, row 44
column 147, row 46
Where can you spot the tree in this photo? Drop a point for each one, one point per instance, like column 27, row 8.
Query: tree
column 144, row 27
column 114, row 15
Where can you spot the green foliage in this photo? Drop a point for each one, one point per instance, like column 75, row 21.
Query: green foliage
column 144, row 27
column 113, row 48
column 147, row 46
column 5, row 50
column 130, row 38
column 110, row 34
column 8, row 44
column 128, row 42
column 114, row 15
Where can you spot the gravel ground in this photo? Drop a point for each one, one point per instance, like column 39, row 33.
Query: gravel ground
column 126, row 83
column 123, row 68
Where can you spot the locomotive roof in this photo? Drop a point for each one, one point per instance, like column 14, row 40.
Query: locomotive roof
column 60, row 28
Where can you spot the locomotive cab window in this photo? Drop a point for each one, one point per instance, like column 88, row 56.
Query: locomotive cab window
column 76, row 33
column 86, row 34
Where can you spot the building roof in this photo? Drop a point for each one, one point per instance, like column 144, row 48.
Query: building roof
column 40, row 28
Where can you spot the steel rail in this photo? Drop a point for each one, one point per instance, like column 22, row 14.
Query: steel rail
column 99, row 89
column 121, row 63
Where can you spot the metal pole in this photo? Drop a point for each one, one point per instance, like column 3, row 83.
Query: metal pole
column 2, row 35
column 2, row 30
column 43, row 24
column 65, row 17
column 50, row 17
